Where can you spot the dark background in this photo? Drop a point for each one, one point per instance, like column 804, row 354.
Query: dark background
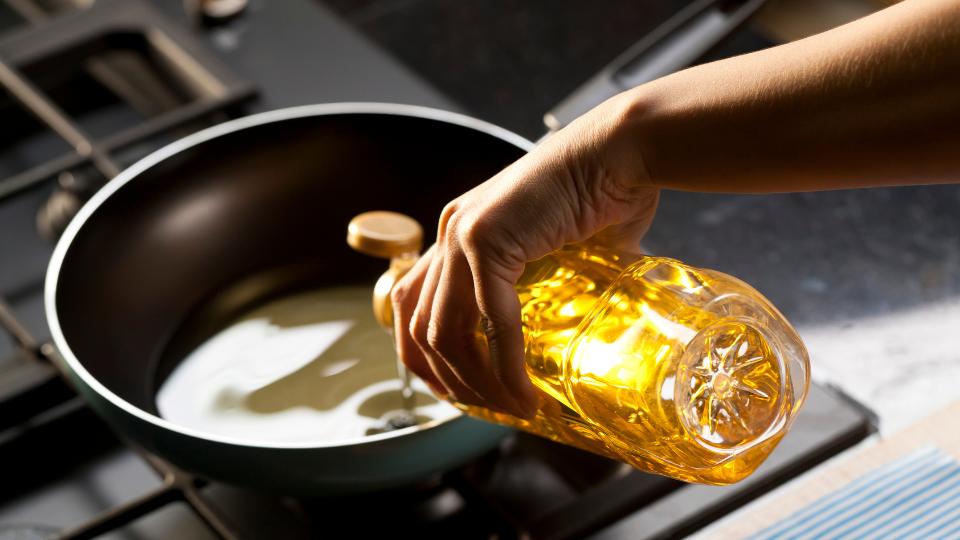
column 506, row 61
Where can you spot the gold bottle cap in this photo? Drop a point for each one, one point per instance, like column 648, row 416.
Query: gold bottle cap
column 384, row 234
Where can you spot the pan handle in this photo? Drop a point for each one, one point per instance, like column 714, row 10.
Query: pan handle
column 672, row 46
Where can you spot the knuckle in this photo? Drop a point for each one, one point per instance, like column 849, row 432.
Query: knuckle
column 419, row 331
column 495, row 331
column 449, row 209
column 435, row 336
column 399, row 293
column 452, row 234
column 471, row 233
column 446, row 215
column 496, row 247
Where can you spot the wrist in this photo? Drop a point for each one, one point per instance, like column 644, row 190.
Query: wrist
column 626, row 147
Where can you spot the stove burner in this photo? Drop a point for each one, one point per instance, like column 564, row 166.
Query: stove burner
column 73, row 188
column 395, row 420
column 402, row 419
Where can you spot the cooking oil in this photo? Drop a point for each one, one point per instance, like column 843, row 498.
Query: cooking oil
column 675, row 370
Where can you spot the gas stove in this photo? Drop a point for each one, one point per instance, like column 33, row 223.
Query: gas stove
column 87, row 89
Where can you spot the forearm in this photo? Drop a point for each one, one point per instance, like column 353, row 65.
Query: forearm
column 874, row 102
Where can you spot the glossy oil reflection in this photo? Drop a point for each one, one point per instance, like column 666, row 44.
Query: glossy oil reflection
column 310, row 367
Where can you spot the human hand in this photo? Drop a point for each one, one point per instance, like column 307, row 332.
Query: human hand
column 585, row 182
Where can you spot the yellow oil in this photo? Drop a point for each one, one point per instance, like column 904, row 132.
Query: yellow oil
column 610, row 384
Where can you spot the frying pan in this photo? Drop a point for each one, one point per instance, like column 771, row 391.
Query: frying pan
column 257, row 207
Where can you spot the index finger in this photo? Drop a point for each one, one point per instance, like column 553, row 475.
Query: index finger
column 404, row 299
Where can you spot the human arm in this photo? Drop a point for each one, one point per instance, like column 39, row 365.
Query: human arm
column 875, row 102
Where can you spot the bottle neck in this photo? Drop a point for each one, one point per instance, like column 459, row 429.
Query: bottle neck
column 382, row 305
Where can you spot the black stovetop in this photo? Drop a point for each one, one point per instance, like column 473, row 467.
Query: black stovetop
column 63, row 468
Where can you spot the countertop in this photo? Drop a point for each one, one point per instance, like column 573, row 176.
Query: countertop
column 838, row 473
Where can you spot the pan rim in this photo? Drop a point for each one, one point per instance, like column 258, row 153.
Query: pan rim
column 76, row 367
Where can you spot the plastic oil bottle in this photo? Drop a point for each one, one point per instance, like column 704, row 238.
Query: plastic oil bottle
column 679, row 371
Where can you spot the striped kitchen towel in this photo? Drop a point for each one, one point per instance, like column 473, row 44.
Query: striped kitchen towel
column 913, row 497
